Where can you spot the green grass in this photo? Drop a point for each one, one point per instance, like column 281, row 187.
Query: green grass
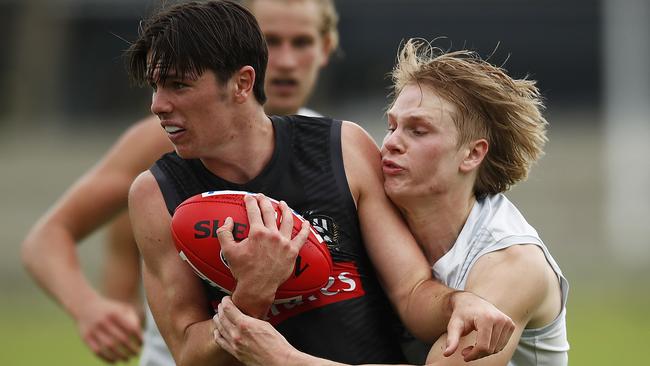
column 604, row 329
column 38, row 333
column 609, row 328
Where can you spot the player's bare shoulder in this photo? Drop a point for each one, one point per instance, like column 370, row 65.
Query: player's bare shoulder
column 143, row 190
column 355, row 139
column 522, row 267
column 361, row 158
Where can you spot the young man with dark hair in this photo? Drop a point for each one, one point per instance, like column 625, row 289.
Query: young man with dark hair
column 301, row 35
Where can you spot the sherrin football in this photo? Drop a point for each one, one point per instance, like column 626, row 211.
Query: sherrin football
column 194, row 229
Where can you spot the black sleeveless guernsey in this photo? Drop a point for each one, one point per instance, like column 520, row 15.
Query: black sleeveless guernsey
column 350, row 320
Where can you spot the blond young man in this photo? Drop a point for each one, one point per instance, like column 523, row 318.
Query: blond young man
column 460, row 133
column 301, row 35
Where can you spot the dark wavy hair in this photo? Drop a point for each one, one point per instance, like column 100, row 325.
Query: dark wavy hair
column 190, row 38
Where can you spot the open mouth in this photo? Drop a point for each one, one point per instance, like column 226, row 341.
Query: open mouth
column 391, row 165
column 283, row 85
column 284, row 82
column 173, row 129
column 391, row 168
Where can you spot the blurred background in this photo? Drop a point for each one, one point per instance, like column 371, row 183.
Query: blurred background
column 65, row 97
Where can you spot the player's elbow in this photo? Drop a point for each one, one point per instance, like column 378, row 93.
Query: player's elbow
column 30, row 249
column 40, row 246
column 421, row 310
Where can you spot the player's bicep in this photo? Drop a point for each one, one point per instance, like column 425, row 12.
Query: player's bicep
column 175, row 294
column 137, row 148
column 513, row 280
column 106, row 186
column 101, row 192
column 95, row 198
column 149, row 220
column 395, row 254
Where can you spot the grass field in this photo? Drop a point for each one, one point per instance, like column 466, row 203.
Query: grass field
column 603, row 330
column 609, row 329
column 36, row 332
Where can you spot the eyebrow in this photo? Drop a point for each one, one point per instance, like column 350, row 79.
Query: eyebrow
column 417, row 118
column 420, row 118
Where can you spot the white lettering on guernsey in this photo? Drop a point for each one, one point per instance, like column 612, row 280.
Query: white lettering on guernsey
column 349, row 281
column 341, row 286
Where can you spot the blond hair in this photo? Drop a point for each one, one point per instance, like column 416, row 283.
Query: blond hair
column 506, row 112
column 328, row 15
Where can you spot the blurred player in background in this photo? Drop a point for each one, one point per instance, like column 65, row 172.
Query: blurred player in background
column 460, row 133
column 301, row 35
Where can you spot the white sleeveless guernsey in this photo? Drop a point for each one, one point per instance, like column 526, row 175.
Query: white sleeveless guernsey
column 495, row 224
column 154, row 348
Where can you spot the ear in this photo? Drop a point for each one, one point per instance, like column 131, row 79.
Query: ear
column 244, row 79
column 326, row 49
column 475, row 153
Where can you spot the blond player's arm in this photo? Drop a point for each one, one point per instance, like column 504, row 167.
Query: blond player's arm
column 427, row 307
column 111, row 329
column 520, row 282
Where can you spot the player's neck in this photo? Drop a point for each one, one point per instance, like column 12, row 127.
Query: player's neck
column 437, row 221
column 245, row 154
column 275, row 111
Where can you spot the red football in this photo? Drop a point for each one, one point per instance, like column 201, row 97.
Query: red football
column 194, row 229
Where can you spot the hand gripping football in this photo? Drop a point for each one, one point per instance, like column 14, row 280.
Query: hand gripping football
column 194, row 229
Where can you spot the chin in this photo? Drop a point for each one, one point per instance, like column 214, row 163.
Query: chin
column 185, row 153
column 281, row 107
column 397, row 191
column 391, row 190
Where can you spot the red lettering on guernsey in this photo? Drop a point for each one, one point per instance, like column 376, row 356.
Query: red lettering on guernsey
column 344, row 284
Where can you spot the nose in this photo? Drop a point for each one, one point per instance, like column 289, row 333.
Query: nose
column 284, row 56
column 393, row 143
column 160, row 104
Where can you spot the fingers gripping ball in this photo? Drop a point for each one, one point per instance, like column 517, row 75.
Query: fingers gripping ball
column 194, row 229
